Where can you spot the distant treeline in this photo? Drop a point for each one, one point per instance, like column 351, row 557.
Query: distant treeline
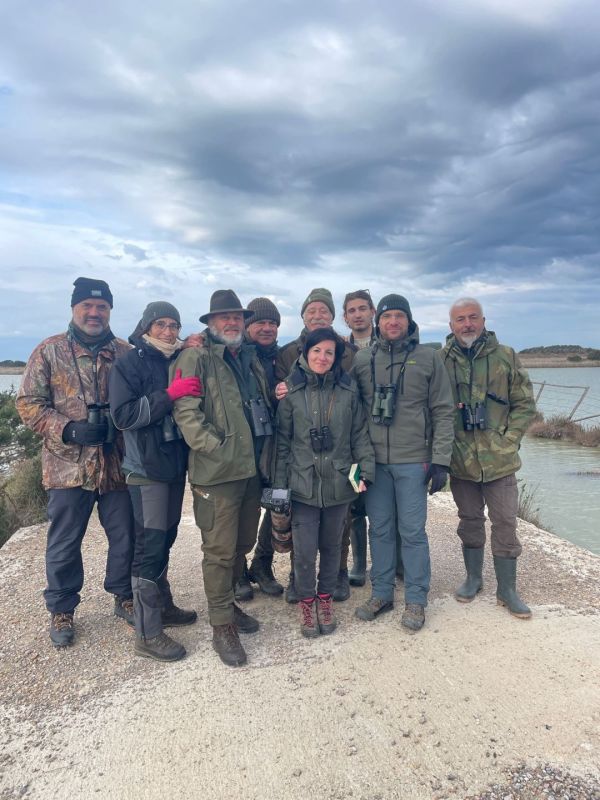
column 10, row 363
column 563, row 350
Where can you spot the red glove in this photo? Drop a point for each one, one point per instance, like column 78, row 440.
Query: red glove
column 184, row 387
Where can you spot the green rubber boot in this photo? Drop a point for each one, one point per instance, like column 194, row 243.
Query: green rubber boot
column 473, row 583
column 506, row 594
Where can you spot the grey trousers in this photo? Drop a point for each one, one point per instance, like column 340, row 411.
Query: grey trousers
column 502, row 500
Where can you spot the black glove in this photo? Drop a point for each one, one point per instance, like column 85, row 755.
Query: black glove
column 85, row 433
column 438, row 475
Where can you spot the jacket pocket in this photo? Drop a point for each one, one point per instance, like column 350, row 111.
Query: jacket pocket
column 342, row 487
column 204, row 508
column 65, row 452
column 301, row 481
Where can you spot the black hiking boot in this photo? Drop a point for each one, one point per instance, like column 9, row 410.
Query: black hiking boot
column 124, row 609
column 242, row 591
column 291, row 595
column 261, row 572
column 342, row 587
column 62, row 633
column 175, row 617
column 161, row 648
column 244, row 622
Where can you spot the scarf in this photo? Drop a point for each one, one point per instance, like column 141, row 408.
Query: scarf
column 91, row 342
column 163, row 347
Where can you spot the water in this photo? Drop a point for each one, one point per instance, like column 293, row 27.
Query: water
column 569, row 502
column 560, row 400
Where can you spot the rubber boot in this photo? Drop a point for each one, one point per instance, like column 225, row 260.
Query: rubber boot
column 473, row 583
column 150, row 641
column 506, row 593
column 358, row 541
column 172, row 615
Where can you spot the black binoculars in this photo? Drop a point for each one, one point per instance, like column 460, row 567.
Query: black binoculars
column 169, row 430
column 261, row 419
column 97, row 413
column 473, row 418
column 384, row 403
column 321, row 441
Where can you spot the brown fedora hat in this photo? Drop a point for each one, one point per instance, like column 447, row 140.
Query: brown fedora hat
column 223, row 301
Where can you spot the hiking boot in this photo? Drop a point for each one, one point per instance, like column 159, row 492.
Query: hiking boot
column 175, row 617
column 342, row 587
column 261, row 572
column 161, row 648
column 473, row 583
column 373, row 607
column 309, row 624
column 291, row 595
column 506, row 594
column 325, row 614
column 124, row 609
column 227, row 645
column 244, row 622
column 358, row 541
column 242, row 590
column 62, row 633
column 413, row 617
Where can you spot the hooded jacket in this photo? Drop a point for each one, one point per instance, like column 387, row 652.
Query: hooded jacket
column 490, row 374
column 139, row 405
column 61, row 379
column 288, row 354
column 422, row 427
column 313, row 401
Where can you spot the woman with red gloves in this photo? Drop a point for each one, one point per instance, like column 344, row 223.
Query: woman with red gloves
column 141, row 400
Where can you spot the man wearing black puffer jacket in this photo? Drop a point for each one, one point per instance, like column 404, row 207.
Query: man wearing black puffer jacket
column 141, row 401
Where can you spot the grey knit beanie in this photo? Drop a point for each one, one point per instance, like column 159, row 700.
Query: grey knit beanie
column 319, row 296
column 263, row 308
column 158, row 310
column 393, row 302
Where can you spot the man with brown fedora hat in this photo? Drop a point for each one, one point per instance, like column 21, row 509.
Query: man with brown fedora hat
column 228, row 429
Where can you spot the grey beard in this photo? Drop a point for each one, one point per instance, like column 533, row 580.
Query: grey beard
column 228, row 341
column 467, row 341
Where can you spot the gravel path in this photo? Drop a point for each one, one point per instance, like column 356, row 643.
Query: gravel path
column 478, row 705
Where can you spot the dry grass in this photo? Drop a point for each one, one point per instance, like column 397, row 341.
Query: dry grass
column 564, row 429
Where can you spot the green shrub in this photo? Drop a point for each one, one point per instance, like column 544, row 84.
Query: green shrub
column 528, row 509
column 593, row 355
column 22, row 498
column 12, row 431
column 574, row 358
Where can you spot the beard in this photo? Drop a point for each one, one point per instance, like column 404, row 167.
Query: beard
column 229, row 340
column 468, row 339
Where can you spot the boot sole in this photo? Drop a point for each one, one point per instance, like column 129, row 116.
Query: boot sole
column 517, row 614
column 247, row 630
column 156, row 657
column 464, row 599
column 231, row 662
column 62, row 645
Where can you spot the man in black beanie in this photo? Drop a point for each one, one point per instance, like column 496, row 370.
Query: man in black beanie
column 408, row 403
column 63, row 397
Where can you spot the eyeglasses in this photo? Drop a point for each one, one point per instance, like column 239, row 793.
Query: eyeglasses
column 167, row 326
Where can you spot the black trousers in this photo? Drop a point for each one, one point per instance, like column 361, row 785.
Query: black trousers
column 157, row 512
column 69, row 511
column 317, row 531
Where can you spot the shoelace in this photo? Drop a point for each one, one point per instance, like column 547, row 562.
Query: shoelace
column 307, row 614
column 326, row 609
column 62, row 621
column 127, row 605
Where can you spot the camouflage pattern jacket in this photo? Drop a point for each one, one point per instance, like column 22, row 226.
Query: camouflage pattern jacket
column 490, row 374
column 54, row 392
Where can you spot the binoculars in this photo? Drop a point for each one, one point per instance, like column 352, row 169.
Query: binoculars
column 473, row 418
column 261, row 419
column 384, row 403
column 321, row 441
column 169, row 430
column 98, row 413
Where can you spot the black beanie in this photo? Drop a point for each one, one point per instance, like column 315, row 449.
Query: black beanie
column 157, row 310
column 393, row 302
column 86, row 288
column 263, row 308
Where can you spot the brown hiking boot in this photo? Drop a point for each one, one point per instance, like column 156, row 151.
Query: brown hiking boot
column 226, row 643
column 161, row 648
column 124, row 609
column 309, row 625
column 61, row 629
column 325, row 614
column 413, row 617
column 372, row 608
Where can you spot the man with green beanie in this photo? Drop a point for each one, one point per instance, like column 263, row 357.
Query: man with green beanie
column 494, row 405
column 408, row 404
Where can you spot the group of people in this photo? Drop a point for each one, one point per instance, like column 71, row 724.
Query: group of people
column 349, row 433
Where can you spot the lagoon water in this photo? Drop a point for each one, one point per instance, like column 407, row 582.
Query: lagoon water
column 565, row 478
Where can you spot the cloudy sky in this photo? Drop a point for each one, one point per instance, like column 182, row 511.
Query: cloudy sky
column 432, row 149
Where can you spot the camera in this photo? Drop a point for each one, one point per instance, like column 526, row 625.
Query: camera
column 473, row 418
column 98, row 413
column 321, row 441
column 169, row 430
column 384, row 403
column 261, row 419
column 277, row 500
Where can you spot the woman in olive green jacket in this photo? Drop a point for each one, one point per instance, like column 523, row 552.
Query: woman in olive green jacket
column 321, row 433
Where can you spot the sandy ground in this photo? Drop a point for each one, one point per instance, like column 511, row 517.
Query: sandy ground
column 369, row 713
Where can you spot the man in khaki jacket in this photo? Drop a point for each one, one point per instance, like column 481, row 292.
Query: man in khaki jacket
column 63, row 397
column 228, row 430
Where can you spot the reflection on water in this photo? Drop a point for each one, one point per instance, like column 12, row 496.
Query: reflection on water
column 566, row 480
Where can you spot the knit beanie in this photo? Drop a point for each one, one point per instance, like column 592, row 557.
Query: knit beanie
column 393, row 302
column 319, row 296
column 158, row 310
column 86, row 288
column 263, row 308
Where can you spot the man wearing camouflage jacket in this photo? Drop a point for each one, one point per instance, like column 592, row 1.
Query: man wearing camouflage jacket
column 64, row 387
column 494, row 406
